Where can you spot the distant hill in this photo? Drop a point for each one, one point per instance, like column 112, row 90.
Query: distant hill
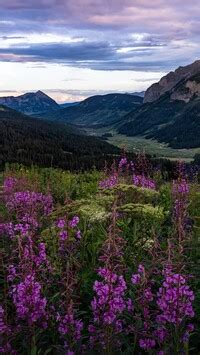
column 68, row 104
column 174, row 117
column 138, row 93
column 29, row 140
column 97, row 111
column 30, row 103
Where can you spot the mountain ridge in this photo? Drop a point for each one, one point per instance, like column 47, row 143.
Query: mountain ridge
column 173, row 118
column 168, row 81
column 30, row 102
column 98, row 110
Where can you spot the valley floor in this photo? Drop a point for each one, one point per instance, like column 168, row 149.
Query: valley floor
column 150, row 146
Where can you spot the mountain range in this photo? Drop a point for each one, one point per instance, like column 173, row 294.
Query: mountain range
column 97, row 111
column 169, row 111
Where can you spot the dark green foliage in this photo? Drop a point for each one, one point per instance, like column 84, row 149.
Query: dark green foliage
column 97, row 111
column 184, row 132
column 27, row 140
column 149, row 117
column 197, row 159
column 105, row 136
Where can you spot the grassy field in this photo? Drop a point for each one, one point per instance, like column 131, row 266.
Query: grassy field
column 136, row 144
column 153, row 147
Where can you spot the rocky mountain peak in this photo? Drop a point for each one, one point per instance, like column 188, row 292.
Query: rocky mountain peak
column 40, row 93
column 169, row 81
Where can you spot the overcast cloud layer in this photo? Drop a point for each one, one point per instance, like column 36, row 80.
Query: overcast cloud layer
column 70, row 45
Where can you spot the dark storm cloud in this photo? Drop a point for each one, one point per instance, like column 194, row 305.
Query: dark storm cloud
column 107, row 26
column 94, row 55
column 65, row 51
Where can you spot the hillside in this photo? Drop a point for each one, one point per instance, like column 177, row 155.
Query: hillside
column 169, row 81
column 97, row 111
column 30, row 103
column 174, row 118
column 27, row 140
column 68, row 104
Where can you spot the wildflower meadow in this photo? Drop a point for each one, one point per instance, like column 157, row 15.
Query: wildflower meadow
column 100, row 262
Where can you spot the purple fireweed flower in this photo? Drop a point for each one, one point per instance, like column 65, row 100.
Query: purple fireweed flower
column 7, row 349
column 109, row 302
column 12, row 273
column 190, row 327
column 143, row 290
column 13, row 230
column 108, row 306
column 69, row 324
column 175, row 300
column 181, row 187
column 123, row 162
column 9, row 185
column 22, row 228
column 74, row 222
column 8, row 229
column 109, row 182
column 29, row 204
column 141, row 269
column 78, row 234
column 3, row 326
column 186, row 335
column 142, row 181
column 60, row 223
column 107, row 275
column 136, row 279
column 160, row 334
column 42, row 258
column 31, row 221
column 63, row 235
column 147, row 344
column 29, row 303
column 129, row 304
column 148, row 294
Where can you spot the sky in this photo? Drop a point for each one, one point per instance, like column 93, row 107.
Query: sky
column 72, row 49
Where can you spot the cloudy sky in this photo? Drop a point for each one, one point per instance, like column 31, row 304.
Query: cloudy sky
column 72, row 49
